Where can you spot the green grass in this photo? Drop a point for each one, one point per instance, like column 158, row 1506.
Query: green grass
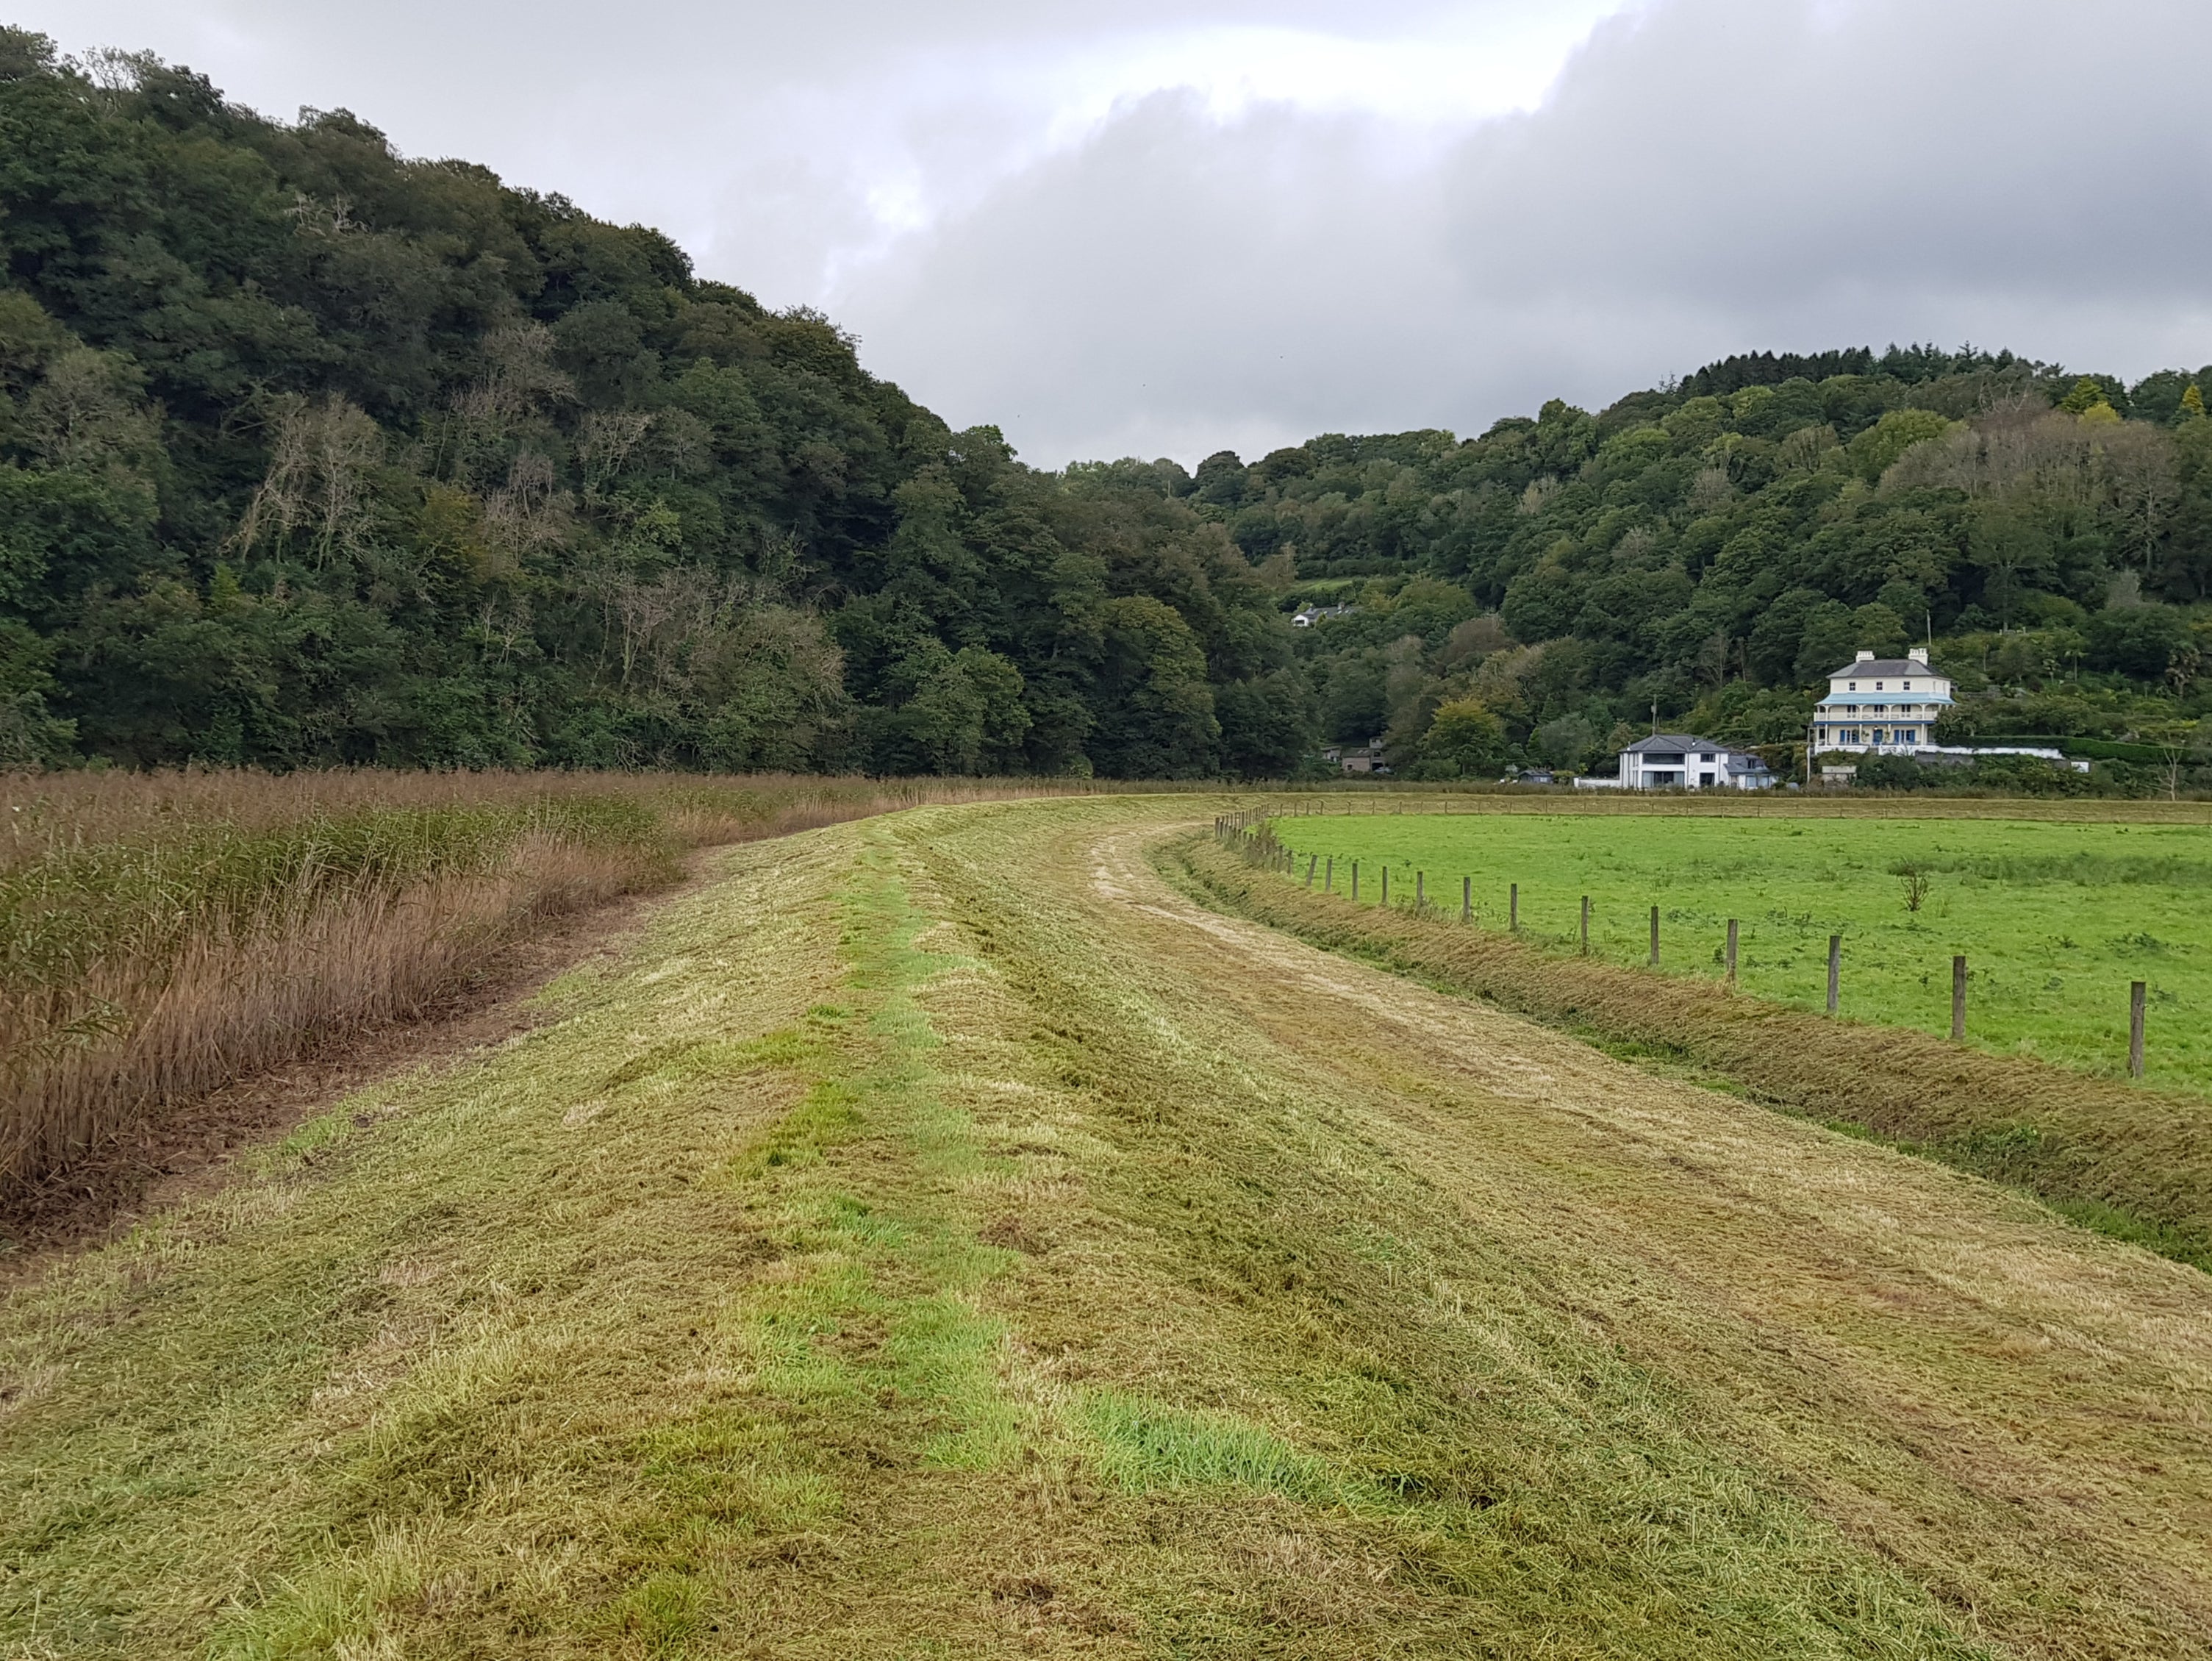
column 2055, row 919
column 936, row 1238
column 2129, row 1161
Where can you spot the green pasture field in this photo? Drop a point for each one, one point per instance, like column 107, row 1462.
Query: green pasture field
column 2055, row 919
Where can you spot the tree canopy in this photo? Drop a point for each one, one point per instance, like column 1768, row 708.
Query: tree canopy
column 310, row 452
column 1714, row 553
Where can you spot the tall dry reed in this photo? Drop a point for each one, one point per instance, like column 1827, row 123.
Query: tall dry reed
column 163, row 933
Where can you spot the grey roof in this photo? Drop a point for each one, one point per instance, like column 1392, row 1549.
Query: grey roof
column 1672, row 741
column 1668, row 743
column 1885, row 667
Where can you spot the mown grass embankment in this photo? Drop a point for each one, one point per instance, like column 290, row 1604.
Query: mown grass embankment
column 936, row 1238
column 162, row 933
column 2128, row 1160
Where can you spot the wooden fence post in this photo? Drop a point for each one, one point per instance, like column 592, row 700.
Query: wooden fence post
column 1466, row 900
column 1958, row 998
column 1655, row 937
column 1386, row 882
column 1585, row 925
column 1835, row 971
column 1312, row 859
column 1355, row 879
column 1329, row 882
column 1731, row 951
column 1513, row 908
column 2136, row 1030
column 1420, row 890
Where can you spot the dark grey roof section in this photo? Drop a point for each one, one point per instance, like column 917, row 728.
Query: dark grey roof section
column 1886, row 668
column 1670, row 742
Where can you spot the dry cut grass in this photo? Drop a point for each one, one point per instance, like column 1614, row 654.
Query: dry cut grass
column 939, row 1238
column 161, row 934
column 2128, row 1160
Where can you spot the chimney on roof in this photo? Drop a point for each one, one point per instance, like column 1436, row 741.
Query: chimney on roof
column 1918, row 654
column 1866, row 657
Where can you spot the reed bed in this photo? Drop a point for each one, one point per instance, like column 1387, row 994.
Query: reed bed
column 161, row 934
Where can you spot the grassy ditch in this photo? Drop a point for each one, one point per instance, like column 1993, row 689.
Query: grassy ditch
column 2129, row 1161
column 161, row 934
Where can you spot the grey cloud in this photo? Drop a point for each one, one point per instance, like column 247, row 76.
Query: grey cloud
column 1708, row 176
column 759, row 133
column 1764, row 148
column 1174, row 280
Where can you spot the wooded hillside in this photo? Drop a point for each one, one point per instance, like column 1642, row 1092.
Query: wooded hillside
column 1718, row 546
column 312, row 453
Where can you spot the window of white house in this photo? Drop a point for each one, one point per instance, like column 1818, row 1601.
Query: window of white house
column 1855, row 686
column 1908, row 686
column 1877, row 686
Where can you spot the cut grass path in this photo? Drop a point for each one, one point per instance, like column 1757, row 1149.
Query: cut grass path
column 2054, row 916
column 939, row 1237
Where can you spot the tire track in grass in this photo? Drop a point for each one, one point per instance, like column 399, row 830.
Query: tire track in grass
column 1426, row 1407
column 2012, row 1409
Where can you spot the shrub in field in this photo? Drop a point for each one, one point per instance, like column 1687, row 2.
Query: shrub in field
column 1913, row 879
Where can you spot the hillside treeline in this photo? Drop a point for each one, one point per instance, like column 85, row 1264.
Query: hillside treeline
column 310, row 452
column 1716, row 547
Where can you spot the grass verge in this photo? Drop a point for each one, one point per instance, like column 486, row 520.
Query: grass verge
column 2132, row 1162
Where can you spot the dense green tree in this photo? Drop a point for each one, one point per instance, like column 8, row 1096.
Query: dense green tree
column 2139, row 641
column 1466, row 740
column 1716, row 547
column 1268, row 724
column 310, row 452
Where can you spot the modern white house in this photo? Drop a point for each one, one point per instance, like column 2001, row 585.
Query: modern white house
column 1881, row 706
column 1680, row 761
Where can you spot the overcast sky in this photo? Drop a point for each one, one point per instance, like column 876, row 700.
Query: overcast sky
column 1158, row 228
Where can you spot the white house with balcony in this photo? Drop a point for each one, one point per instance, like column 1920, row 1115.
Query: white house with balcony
column 1881, row 706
